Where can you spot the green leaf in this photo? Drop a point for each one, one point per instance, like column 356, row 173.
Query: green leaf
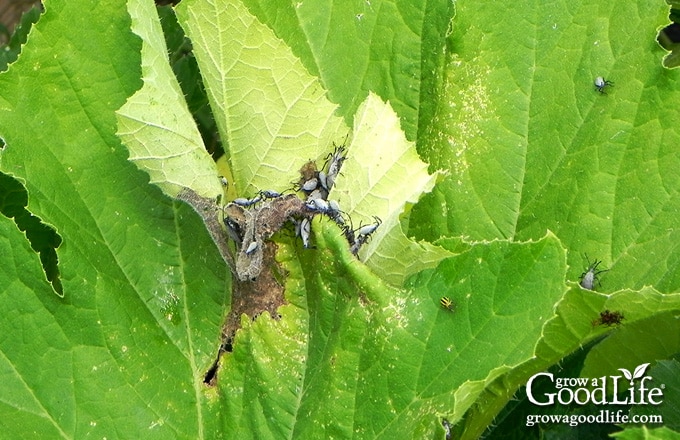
column 31, row 400
column 273, row 116
column 657, row 338
column 574, row 325
column 156, row 124
column 392, row 49
column 124, row 353
column 532, row 147
column 644, row 433
column 666, row 376
column 383, row 176
column 522, row 283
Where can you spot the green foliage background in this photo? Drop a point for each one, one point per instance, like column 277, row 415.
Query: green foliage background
column 541, row 170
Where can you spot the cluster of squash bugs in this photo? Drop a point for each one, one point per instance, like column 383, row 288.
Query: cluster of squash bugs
column 251, row 221
column 316, row 185
column 259, row 197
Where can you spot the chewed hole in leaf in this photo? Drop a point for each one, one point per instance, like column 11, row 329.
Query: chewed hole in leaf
column 11, row 45
column 44, row 240
column 669, row 39
column 210, row 377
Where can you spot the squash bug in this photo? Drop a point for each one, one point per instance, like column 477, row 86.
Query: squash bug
column 601, row 84
column 589, row 277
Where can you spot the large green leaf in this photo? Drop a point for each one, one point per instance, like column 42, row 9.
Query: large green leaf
column 271, row 113
column 532, row 146
column 155, row 123
column 124, row 353
column 393, row 49
column 383, row 176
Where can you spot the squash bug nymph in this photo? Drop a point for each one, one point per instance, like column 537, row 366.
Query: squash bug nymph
column 601, row 84
column 447, row 304
column 447, row 429
column 247, row 202
column 589, row 277
column 251, row 247
column 269, row 194
column 336, row 158
column 309, row 185
column 363, row 234
column 305, row 231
